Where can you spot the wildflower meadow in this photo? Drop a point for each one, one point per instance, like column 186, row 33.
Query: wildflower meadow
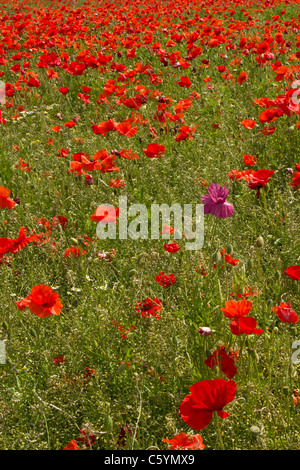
column 149, row 225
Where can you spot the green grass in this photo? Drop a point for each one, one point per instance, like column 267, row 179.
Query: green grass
column 43, row 405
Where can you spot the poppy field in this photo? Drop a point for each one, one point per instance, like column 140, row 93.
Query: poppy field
column 131, row 343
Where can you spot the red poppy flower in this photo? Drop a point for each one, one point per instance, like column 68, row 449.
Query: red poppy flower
column 33, row 82
column 149, row 307
column 42, row 301
column 285, row 313
column 245, row 326
column 105, row 214
column 136, row 102
column 63, row 153
column 185, row 132
column 72, row 445
column 108, row 165
column 267, row 130
column 269, row 115
column 165, row 279
column 248, row 292
column 119, row 183
column 293, row 272
column 184, row 82
column 56, row 128
column 248, row 123
column 85, row 98
column 229, row 260
column 223, row 361
column 70, row 124
column 104, row 127
column 259, row 179
column 60, row 220
column 183, row 441
column 75, row 68
column 242, row 78
column 154, row 151
column 206, row 397
column 250, row 160
column 167, row 229
column 296, row 398
column 129, row 154
column 171, row 247
column 74, row 252
column 64, row 90
column 295, row 183
column 13, row 245
column 52, row 74
column 5, row 201
column 124, row 128
column 59, row 359
column 237, row 308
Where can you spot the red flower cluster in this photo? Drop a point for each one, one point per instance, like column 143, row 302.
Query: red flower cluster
column 237, row 310
column 165, row 279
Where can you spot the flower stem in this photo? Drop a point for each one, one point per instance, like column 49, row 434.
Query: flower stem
column 219, row 432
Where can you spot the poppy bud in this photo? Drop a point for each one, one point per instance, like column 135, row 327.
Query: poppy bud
column 59, row 228
column 216, row 257
column 112, row 256
column 74, row 240
column 122, row 367
column 249, row 264
column 204, row 331
column 32, row 332
column 260, row 242
column 5, row 325
column 229, row 250
column 89, row 180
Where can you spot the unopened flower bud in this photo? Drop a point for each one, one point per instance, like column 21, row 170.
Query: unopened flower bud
column 260, row 241
column 89, row 180
column 229, row 249
column 216, row 257
column 204, row 331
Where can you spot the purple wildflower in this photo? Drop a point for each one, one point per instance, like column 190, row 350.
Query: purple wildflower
column 215, row 202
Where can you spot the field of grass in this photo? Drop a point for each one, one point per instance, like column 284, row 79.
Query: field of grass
column 212, row 82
